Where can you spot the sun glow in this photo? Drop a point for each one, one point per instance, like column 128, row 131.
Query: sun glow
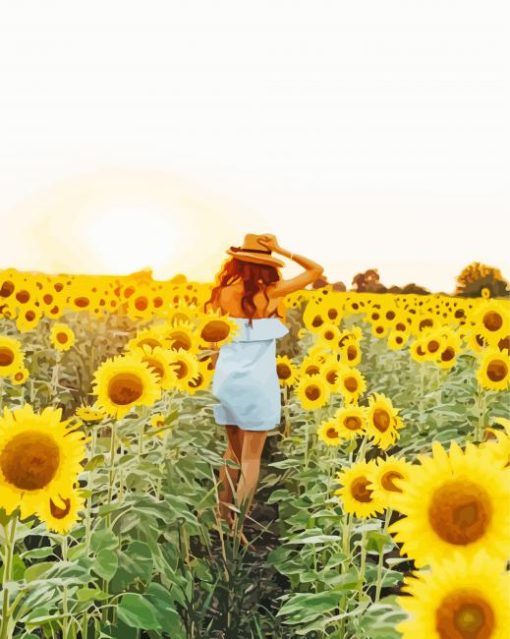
column 123, row 239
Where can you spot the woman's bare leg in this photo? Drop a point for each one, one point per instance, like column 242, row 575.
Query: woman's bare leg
column 233, row 453
column 251, row 453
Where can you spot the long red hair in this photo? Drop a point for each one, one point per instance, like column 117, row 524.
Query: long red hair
column 255, row 278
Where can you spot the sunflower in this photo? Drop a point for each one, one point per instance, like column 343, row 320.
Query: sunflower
column 351, row 421
column 158, row 421
column 356, row 494
column 456, row 500
column 185, row 366
column 497, row 442
column 459, row 600
column 159, row 360
column 492, row 321
column 311, row 366
column 216, row 329
column 386, row 476
column 202, row 380
column 494, row 370
column 314, row 316
column 397, row 339
column 352, row 384
column 329, row 433
column 90, row 413
column 447, row 355
column 383, row 421
column 11, row 356
column 328, row 335
column 28, row 318
column 312, row 392
column 153, row 336
column 475, row 341
column 62, row 336
column 180, row 335
column 62, row 518
column 433, row 342
column 39, row 458
column 418, row 352
column 286, row 371
column 124, row 381
column 380, row 329
column 350, row 352
column 20, row 376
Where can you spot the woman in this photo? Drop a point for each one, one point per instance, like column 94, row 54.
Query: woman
column 250, row 289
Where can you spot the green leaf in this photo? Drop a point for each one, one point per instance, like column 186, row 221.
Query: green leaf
column 136, row 610
column 304, row 607
column 105, row 564
column 103, row 539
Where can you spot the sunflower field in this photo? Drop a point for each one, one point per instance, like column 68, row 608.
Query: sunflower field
column 383, row 507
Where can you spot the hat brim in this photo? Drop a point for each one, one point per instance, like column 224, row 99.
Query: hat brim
column 257, row 258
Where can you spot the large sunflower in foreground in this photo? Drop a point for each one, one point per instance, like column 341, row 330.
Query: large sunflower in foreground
column 383, row 421
column 40, row 458
column 62, row 518
column 356, row 493
column 453, row 501
column 125, row 381
column 459, row 599
column 494, row 370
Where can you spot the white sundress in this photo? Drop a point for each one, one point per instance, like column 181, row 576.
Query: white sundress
column 245, row 381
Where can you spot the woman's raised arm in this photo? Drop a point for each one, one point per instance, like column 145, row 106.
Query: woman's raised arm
column 312, row 270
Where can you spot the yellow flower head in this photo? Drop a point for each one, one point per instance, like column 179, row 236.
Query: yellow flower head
column 383, row 421
column 356, row 495
column 453, row 501
column 123, row 382
column 459, row 599
column 352, row 384
column 494, row 370
column 61, row 518
column 312, row 392
column 62, row 336
column 286, row 371
column 351, row 421
column 11, row 356
column 328, row 432
column 386, row 477
column 40, row 458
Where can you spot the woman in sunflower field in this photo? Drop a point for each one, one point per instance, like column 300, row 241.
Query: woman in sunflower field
column 249, row 289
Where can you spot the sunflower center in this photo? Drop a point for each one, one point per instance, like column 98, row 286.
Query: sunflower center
column 497, row 370
column 156, row 366
column 492, row 321
column 215, row 331
column 180, row 340
column 329, row 335
column 6, row 357
column 331, row 432
column 331, row 376
column 381, row 419
column 388, row 483
column 504, row 343
column 433, row 345
column 62, row 338
column 312, row 392
column 464, row 614
column 125, row 388
column 359, row 489
column 352, row 351
column 60, row 513
column 352, row 422
column 181, row 369
column 351, row 384
column 197, row 381
column 283, row 371
column 332, row 313
column 448, row 354
column 312, row 370
column 460, row 512
column 30, row 460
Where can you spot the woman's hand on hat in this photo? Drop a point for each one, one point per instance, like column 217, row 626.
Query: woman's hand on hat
column 269, row 241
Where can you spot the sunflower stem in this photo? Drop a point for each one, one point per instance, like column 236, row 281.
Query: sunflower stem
column 286, row 413
column 378, row 584
column 363, row 555
column 111, row 472
column 65, row 622
column 6, row 625
column 482, row 409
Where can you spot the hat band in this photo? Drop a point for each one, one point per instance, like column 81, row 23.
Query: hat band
column 243, row 250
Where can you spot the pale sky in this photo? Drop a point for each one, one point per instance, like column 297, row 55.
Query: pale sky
column 362, row 134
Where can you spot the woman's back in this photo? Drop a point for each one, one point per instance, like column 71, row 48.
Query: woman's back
column 230, row 301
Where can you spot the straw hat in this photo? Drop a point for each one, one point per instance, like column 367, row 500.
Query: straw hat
column 254, row 251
